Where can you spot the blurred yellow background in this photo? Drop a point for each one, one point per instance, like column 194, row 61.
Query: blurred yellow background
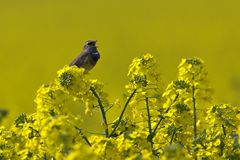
column 39, row 37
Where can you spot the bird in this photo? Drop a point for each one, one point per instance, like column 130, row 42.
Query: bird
column 88, row 58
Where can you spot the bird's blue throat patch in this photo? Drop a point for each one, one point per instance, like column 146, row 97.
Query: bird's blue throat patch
column 95, row 56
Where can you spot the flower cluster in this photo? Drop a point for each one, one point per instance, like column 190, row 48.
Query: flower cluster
column 221, row 137
column 179, row 122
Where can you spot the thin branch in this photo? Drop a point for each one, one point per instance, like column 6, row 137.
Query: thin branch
column 35, row 131
column 149, row 119
column 151, row 136
column 194, row 122
column 173, row 134
column 222, row 145
column 161, row 118
column 121, row 115
column 108, row 108
column 148, row 116
column 83, row 136
column 103, row 113
column 94, row 133
column 224, row 130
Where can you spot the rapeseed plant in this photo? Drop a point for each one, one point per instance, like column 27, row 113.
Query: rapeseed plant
column 179, row 122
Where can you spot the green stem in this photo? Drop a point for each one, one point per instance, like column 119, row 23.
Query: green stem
column 194, row 122
column 222, row 145
column 149, row 119
column 152, row 134
column 103, row 113
column 148, row 115
column 224, row 130
column 121, row 115
column 83, row 136
column 173, row 134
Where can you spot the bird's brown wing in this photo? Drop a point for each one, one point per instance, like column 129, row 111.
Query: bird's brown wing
column 80, row 60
